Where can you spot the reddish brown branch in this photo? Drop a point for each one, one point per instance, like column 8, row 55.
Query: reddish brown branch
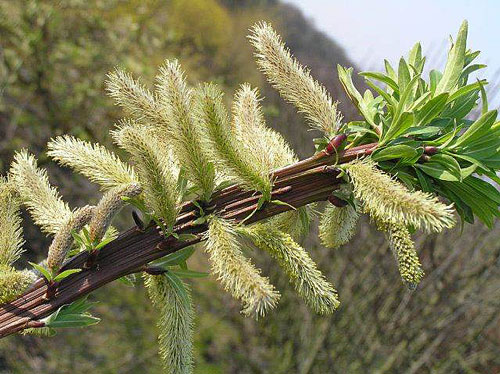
column 299, row 184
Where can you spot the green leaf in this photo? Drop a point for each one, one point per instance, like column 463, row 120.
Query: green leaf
column 477, row 129
column 404, row 76
column 72, row 320
column 434, row 78
column 283, row 203
column 438, row 171
column 45, row 272
column 431, row 109
column 455, row 63
column 462, row 91
column 66, row 274
column 186, row 237
column 424, row 181
column 394, row 152
column 177, row 257
column 188, row 273
column 128, row 280
column 381, row 78
column 178, row 286
column 484, row 99
column 103, row 242
column 406, row 120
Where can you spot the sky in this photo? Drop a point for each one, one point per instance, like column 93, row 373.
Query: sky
column 373, row 30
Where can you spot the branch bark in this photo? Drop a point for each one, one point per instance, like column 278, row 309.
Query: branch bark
column 299, row 184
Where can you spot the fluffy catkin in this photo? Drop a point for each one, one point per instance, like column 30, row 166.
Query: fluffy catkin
column 337, row 225
column 108, row 207
column 42, row 201
column 235, row 272
column 293, row 81
column 64, row 239
column 388, row 200
column 403, row 248
column 186, row 137
column 154, row 167
column 175, row 324
column 226, row 151
column 134, row 97
column 308, row 281
column 259, row 143
column 11, row 233
column 92, row 160
column 13, row 282
column 295, row 222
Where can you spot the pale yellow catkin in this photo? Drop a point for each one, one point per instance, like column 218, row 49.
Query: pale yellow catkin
column 13, row 282
column 156, row 171
column 11, row 233
column 235, row 272
column 293, row 81
column 91, row 160
column 42, row 200
column 63, row 240
column 386, row 199
column 175, row 324
column 307, row 279
column 403, row 248
column 176, row 99
column 337, row 225
column 108, row 207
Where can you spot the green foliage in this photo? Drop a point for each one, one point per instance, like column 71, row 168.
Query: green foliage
column 413, row 115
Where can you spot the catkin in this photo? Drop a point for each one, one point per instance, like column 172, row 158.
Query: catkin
column 64, row 239
column 108, row 207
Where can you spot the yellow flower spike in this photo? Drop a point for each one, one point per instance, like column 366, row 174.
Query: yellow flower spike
column 108, row 207
column 176, row 98
column 337, row 225
column 155, row 169
column 308, row 281
column 11, row 235
column 403, row 248
column 42, row 200
column 226, row 150
column 64, row 239
column 235, row 272
column 293, row 81
column 388, row 200
column 175, row 324
column 13, row 282
column 92, row 160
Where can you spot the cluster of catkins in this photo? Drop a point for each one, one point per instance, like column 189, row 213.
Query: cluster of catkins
column 186, row 133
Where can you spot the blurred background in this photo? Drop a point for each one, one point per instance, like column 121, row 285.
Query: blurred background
column 54, row 57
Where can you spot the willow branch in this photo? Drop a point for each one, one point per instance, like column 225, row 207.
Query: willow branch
column 299, row 184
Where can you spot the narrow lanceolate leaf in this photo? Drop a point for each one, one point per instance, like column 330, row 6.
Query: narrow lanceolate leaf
column 186, row 137
column 64, row 238
column 308, row 281
column 403, row 248
column 92, row 160
column 337, row 225
column 155, row 169
column 242, row 166
column 108, row 207
column 235, row 272
column 13, row 282
column 386, row 199
column 11, row 233
column 293, row 81
column 172, row 298
column 42, row 201
column 133, row 97
column 455, row 63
